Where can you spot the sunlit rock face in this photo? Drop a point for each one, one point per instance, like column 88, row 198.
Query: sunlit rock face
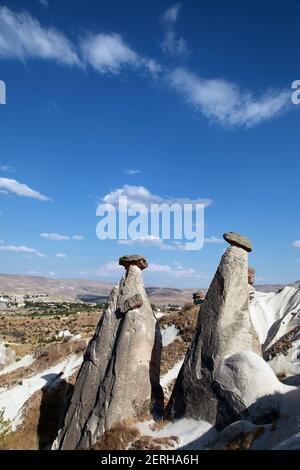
column 119, row 377
column 224, row 328
column 7, row 356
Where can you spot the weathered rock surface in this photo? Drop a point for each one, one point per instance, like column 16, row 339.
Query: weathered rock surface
column 7, row 356
column 235, row 239
column 224, row 328
column 252, row 388
column 133, row 260
column 198, row 297
column 251, row 276
column 119, row 376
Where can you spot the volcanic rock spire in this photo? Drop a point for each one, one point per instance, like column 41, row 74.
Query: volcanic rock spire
column 224, row 328
column 119, row 376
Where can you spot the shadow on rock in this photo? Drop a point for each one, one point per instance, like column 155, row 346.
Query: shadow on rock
column 56, row 396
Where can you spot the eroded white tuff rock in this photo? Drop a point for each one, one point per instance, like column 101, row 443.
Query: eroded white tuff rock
column 224, row 328
column 7, row 356
column 121, row 368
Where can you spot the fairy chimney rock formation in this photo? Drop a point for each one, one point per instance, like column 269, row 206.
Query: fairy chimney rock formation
column 224, row 328
column 119, row 377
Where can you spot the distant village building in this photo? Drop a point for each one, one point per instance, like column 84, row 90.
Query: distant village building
column 3, row 303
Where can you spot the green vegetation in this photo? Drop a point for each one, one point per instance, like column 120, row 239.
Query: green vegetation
column 41, row 309
column 5, row 426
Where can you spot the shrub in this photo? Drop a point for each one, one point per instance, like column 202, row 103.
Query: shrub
column 5, row 426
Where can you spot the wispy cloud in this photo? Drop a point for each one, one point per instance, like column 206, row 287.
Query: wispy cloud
column 176, row 270
column 54, row 236
column 224, row 102
column 173, row 45
column 214, row 240
column 131, row 172
column 8, row 185
column 7, row 168
column 109, row 54
column 170, row 16
column 23, row 37
column 61, row 255
column 154, row 242
column 44, row 3
column 142, row 195
column 59, row 237
column 296, row 244
column 109, row 269
column 22, row 249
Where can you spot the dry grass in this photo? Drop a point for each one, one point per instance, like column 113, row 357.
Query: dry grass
column 245, row 440
column 152, row 443
column 158, row 425
column 283, row 345
column 24, row 334
column 42, row 418
column 172, row 354
column 185, row 321
column 46, row 357
column 118, row 438
column 124, row 436
column 168, row 391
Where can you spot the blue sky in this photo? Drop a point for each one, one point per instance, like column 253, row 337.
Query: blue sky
column 193, row 96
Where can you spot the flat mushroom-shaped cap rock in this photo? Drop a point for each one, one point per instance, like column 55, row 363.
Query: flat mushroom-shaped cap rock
column 136, row 260
column 236, row 239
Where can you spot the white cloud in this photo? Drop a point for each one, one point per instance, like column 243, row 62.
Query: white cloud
column 23, row 37
column 154, row 242
column 61, row 255
column 8, row 185
column 22, row 249
column 214, row 240
column 296, row 244
column 143, row 241
column 171, row 44
column 171, row 14
column 54, row 236
column 109, row 269
column 142, row 195
column 59, row 237
column 131, row 172
column 7, row 168
column 109, row 53
column 175, row 271
column 44, row 3
column 224, row 102
column 150, row 241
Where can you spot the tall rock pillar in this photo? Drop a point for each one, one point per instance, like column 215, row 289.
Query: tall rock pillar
column 120, row 372
column 224, row 328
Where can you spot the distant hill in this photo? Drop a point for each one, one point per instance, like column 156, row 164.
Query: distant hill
column 82, row 289
column 93, row 291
